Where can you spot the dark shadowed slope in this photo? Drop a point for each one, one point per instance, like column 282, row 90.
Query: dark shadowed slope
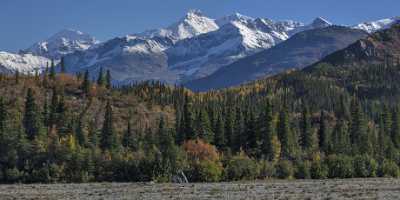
column 299, row 51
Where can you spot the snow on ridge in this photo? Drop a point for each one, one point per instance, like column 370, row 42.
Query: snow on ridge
column 63, row 42
column 194, row 23
column 373, row 26
column 24, row 63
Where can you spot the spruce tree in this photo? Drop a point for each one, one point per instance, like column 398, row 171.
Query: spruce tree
column 129, row 139
column 53, row 117
column 307, row 139
column 395, row 129
column 86, row 83
column 239, row 138
column 387, row 120
column 31, row 119
column 62, row 66
column 268, row 150
column 220, row 140
column 100, row 77
column 188, row 119
column 61, row 113
column 203, row 126
column 340, row 141
column 52, row 70
column 252, row 133
column 169, row 152
column 323, row 132
column 3, row 116
column 383, row 141
column 229, row 128
column 45, row 113
column 108, row 138
column 17, row 77
column 108, row 80
column 358, row 128
column 285, row 135
column 80, row 134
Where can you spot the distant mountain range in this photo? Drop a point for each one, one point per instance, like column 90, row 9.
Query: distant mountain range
column 195, row 50
column 299, row 51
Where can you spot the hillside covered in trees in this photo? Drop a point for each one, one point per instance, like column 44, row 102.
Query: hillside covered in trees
column 339, row 118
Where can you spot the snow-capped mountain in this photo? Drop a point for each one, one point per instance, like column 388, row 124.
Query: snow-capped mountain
column 374, row 26
column 193, row 24
column 317, row 23
column 62, row 43
column 238, row 36
column 129, row 58
column 194, row 47
column 24, row 63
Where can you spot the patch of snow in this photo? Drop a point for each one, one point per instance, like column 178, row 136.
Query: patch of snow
column 64, row 42
column 374, row 26
column 25, row 63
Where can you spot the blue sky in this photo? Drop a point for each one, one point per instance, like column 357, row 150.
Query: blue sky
column 24, row 22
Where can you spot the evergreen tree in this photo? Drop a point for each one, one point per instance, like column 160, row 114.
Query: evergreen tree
column 45, row 113
column 358, row 126
column 268, row 149
column 395, row 134
column 203, row 126
column 80, row 134
column 108, row 138
column 323, row 132
column 340, row 141
column 188, row 119
column 387, row 120
column 252, row 133
column 52, row 70
column 129, row 139
column 61, row 111
column 383, row 141
column 220, row 140
column 108, row 80
column 86, row 83
column 53, row 117
column 169, row 152
column 307, row 138
column 285, row 134
column 62, row 66
column 229, row 128
column 100, row 77
column 3, row 116
column 239, row 138
column 31, row 120
column 17, row 76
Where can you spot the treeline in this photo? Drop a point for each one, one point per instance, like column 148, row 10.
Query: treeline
column 58, row 128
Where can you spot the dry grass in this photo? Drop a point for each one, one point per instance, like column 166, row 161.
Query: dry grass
column 272, row 189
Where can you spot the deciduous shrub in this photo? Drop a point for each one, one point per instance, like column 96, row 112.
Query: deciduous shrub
column 241, row 167
column 206, row 171
column 340, row 166
column 365, row 166
column 284, row 169
column 318, row 170
column 389, row 168
column 302, row 170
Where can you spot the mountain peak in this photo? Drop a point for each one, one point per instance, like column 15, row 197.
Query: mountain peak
column 320, row 22
column 71, row 34
column 194, row 13
column 63, row 42
column 374, row 26
column 235, row 17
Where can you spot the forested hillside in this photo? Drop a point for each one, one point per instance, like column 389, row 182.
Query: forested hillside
column 339, row 118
